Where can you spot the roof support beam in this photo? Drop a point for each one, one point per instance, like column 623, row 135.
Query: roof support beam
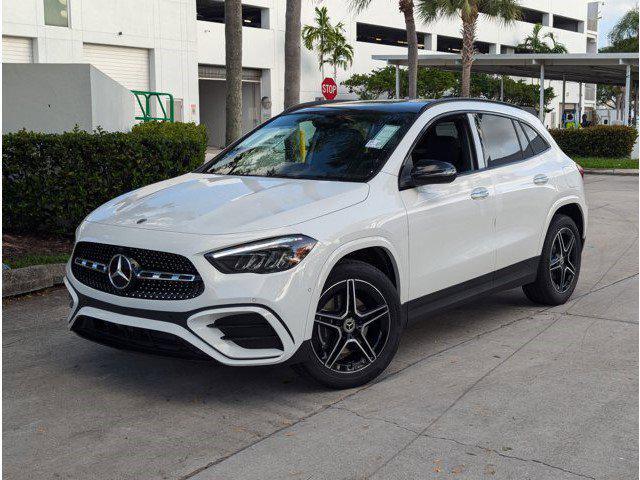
column 627, row 96
column 564, row 100
column 541, row 112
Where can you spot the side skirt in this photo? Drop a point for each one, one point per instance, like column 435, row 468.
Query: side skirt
column 506, row 278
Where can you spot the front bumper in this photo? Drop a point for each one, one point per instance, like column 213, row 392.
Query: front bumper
column 191, row 333
column 282, row 299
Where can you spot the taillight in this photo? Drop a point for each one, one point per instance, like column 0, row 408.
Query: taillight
column 580, row 169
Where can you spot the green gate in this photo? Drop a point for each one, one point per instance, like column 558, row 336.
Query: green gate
column 145, row 101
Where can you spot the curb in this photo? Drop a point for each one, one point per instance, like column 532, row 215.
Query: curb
column 31, row 279
column 625, row 172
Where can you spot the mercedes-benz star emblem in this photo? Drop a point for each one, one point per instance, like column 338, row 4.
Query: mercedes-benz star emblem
column 120, row 271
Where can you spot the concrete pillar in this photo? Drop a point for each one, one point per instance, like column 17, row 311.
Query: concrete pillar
column 397, row 82
column 541, row 112
column 579, row 105
column 564, row 99
column 627, row 96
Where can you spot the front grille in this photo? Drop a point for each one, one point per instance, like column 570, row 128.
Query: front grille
column 249, row 330
column 91, row 260
column 135, row 338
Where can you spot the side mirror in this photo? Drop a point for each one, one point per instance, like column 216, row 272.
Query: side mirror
column 432, row 171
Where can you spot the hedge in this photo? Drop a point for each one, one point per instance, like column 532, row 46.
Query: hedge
column 597, row 141
column 52, row 181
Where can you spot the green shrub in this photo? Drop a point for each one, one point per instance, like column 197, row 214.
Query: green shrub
column 52, row 181
column 597, row 141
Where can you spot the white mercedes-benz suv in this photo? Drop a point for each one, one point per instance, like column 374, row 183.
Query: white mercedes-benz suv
column 318, row 236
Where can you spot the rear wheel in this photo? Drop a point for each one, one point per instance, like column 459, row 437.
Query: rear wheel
column 559, row 265
column 356, row 327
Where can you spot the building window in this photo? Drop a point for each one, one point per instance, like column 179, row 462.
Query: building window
column 532, row 16
column 56, row 13
column 454, row 45
column 386, row 36
column 213, row 11
column 565, row 23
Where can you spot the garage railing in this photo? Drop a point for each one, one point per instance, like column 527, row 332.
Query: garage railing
column 146, row 100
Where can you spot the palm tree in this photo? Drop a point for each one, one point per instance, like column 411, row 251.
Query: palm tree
column 536, row 43
column 233, row 60
column 556, row 47
column 506, row 11
column 318, row 36
column 626, row 29
column 292, row 53
column 407, row 8
column 340, row 52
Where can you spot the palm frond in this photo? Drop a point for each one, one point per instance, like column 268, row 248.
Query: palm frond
column 358, row 6
column 431, row 10
column 505, row 11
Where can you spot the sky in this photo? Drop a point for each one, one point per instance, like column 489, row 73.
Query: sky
column 611, row 12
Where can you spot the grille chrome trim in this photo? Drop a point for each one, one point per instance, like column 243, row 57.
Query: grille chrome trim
column 142, row 274
column 91, row 265
column 173, row 277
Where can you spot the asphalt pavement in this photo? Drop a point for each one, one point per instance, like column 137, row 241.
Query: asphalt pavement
column 498, row 389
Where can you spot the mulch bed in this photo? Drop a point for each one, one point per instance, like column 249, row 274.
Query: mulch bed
column 15, row 246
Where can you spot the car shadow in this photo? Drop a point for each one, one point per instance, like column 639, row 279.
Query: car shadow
column 181, row 380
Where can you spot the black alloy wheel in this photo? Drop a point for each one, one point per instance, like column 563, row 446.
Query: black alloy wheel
column 356, row 327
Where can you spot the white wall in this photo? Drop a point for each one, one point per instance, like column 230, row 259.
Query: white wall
column 54, row 98
column 166, row 27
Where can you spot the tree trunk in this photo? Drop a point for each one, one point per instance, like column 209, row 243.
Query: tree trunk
column 292, row 37
column 233, row 59
column 406, row 7
column 469, row 21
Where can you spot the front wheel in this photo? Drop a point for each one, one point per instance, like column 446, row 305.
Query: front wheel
column 356, row 327
column 559, row 265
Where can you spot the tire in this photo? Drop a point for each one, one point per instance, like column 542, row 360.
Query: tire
column 349, row 348
column 550, row 286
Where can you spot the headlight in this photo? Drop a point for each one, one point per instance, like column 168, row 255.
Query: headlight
column 265, row 256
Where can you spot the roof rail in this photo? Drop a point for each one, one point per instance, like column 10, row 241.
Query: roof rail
column 313, row 104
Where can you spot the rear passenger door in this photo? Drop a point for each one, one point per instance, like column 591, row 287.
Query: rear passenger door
column 523, row 175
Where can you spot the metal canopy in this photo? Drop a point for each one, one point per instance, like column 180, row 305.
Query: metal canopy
column 601, row 68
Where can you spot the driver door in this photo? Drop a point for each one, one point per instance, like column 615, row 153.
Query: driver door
column 451, row 226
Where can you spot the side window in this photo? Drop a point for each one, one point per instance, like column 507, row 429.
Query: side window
column 499, row 139
column 538, row 143
column 448, row 140
column 527, row 149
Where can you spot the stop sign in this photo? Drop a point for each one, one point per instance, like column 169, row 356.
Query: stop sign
column 329, row 88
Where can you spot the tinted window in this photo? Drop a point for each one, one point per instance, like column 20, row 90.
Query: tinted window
column 499, row 140
column 524, row 141
column 447, row 140
column 538, row 143
column 323, row 144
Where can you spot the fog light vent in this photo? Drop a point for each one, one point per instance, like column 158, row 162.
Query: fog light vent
column 248, row 330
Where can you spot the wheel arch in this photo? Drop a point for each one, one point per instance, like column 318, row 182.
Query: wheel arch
column 574, row 208
column 377, row 251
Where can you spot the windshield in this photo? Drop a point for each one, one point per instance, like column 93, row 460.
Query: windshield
column 340, row 144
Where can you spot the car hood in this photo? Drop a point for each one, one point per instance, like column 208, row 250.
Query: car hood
column 215, row 204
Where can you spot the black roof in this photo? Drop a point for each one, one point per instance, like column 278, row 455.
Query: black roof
column 389, row 106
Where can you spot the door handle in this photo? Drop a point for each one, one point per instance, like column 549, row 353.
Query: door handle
column 540, row 179
column 479, row 193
